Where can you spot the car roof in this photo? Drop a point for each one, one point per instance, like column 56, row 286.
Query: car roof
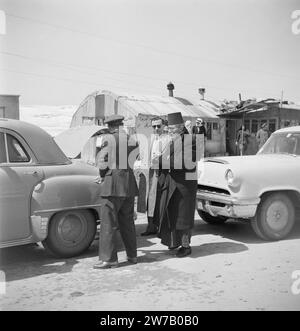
column 289, row 129
column 41, row 143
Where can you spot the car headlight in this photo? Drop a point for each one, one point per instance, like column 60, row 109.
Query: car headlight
column 232, row 180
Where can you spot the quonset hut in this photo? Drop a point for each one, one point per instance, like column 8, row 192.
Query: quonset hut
column 139, row 110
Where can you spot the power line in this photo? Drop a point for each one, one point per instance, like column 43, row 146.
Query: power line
column 153, row 49
column 95, row 85
column 71, row 67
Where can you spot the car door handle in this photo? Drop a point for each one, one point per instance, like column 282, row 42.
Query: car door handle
column 32, row 173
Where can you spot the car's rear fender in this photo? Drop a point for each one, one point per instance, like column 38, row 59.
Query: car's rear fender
column 62, row 193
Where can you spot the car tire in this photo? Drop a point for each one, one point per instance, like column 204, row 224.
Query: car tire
column 275, row 216
column 256, row 229
column 215, row 220
column 70, row 233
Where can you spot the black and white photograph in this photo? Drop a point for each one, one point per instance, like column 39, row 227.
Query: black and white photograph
column 149, row 158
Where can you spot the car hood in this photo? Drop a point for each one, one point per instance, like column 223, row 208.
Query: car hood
column 258, row 160
column 251, row 170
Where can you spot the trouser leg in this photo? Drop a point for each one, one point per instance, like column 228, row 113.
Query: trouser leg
column 127, row 227
column 185, row 238
column 151, row 227
column 108, row 229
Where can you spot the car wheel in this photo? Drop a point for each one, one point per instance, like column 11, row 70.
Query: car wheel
column 275, row 216
column 215, row 220
column 256, row 229
column 70, row 233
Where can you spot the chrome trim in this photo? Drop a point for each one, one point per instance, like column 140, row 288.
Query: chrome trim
column 39, row 227
column 218, row 197
column 37, row 212
column 18, row 242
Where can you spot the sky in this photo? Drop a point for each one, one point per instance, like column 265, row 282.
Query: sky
column 56, row 52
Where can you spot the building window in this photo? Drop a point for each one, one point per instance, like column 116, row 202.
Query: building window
column 254, row 126
column 263, row 122
column 272, row 125
column 247, row 125
column 215, row 126
column 208, row 130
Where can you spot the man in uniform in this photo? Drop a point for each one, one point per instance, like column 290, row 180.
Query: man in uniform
column 118, row 190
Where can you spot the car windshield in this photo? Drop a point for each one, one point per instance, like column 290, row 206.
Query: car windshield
column 282, row 143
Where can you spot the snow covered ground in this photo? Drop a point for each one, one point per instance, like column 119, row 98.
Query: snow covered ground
column 53, row 119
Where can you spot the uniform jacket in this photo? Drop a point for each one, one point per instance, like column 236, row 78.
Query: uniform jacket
column 115, row 171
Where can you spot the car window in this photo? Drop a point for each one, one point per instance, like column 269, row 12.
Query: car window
column 282, row 143
column 16, row 151
column 2, row 148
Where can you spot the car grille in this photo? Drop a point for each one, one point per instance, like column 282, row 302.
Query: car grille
column 212, row 189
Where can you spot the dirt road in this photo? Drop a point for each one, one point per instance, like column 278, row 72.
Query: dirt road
column 229, row 269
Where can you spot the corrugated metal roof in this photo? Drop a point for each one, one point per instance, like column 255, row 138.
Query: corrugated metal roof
column 291, row 106
column 160, row 105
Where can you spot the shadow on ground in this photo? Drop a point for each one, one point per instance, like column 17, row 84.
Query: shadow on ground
column 197, row 251
column 33, row 260
column 238, row 231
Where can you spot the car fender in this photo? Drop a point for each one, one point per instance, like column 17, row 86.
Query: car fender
column 62, row 193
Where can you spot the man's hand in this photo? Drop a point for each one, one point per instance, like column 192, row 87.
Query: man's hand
column 98, row 180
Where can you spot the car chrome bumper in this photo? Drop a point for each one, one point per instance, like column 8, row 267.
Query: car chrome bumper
column 224, row 205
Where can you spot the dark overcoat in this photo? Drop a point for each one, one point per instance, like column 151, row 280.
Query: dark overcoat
column 178, row 189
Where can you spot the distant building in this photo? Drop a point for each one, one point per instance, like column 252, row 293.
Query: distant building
column 139, row 109
column 252, row 115
column 9, row 106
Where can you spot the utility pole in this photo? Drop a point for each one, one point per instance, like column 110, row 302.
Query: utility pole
column 280, row 108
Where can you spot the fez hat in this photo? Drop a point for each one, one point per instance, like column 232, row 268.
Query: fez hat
column 175, row 118
column 114, row 120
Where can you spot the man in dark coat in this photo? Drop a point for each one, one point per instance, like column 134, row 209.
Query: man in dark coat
column 199, row 128
column 118, row 189
column 178, row 185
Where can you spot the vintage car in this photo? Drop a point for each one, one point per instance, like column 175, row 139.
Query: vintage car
column 44, row 196
column 263, row 188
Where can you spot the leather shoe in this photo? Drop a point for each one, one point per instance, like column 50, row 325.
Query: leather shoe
column 171, row 248
column 148, row 233
column 184, row 251
column 106, row 265
column 132, row 260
